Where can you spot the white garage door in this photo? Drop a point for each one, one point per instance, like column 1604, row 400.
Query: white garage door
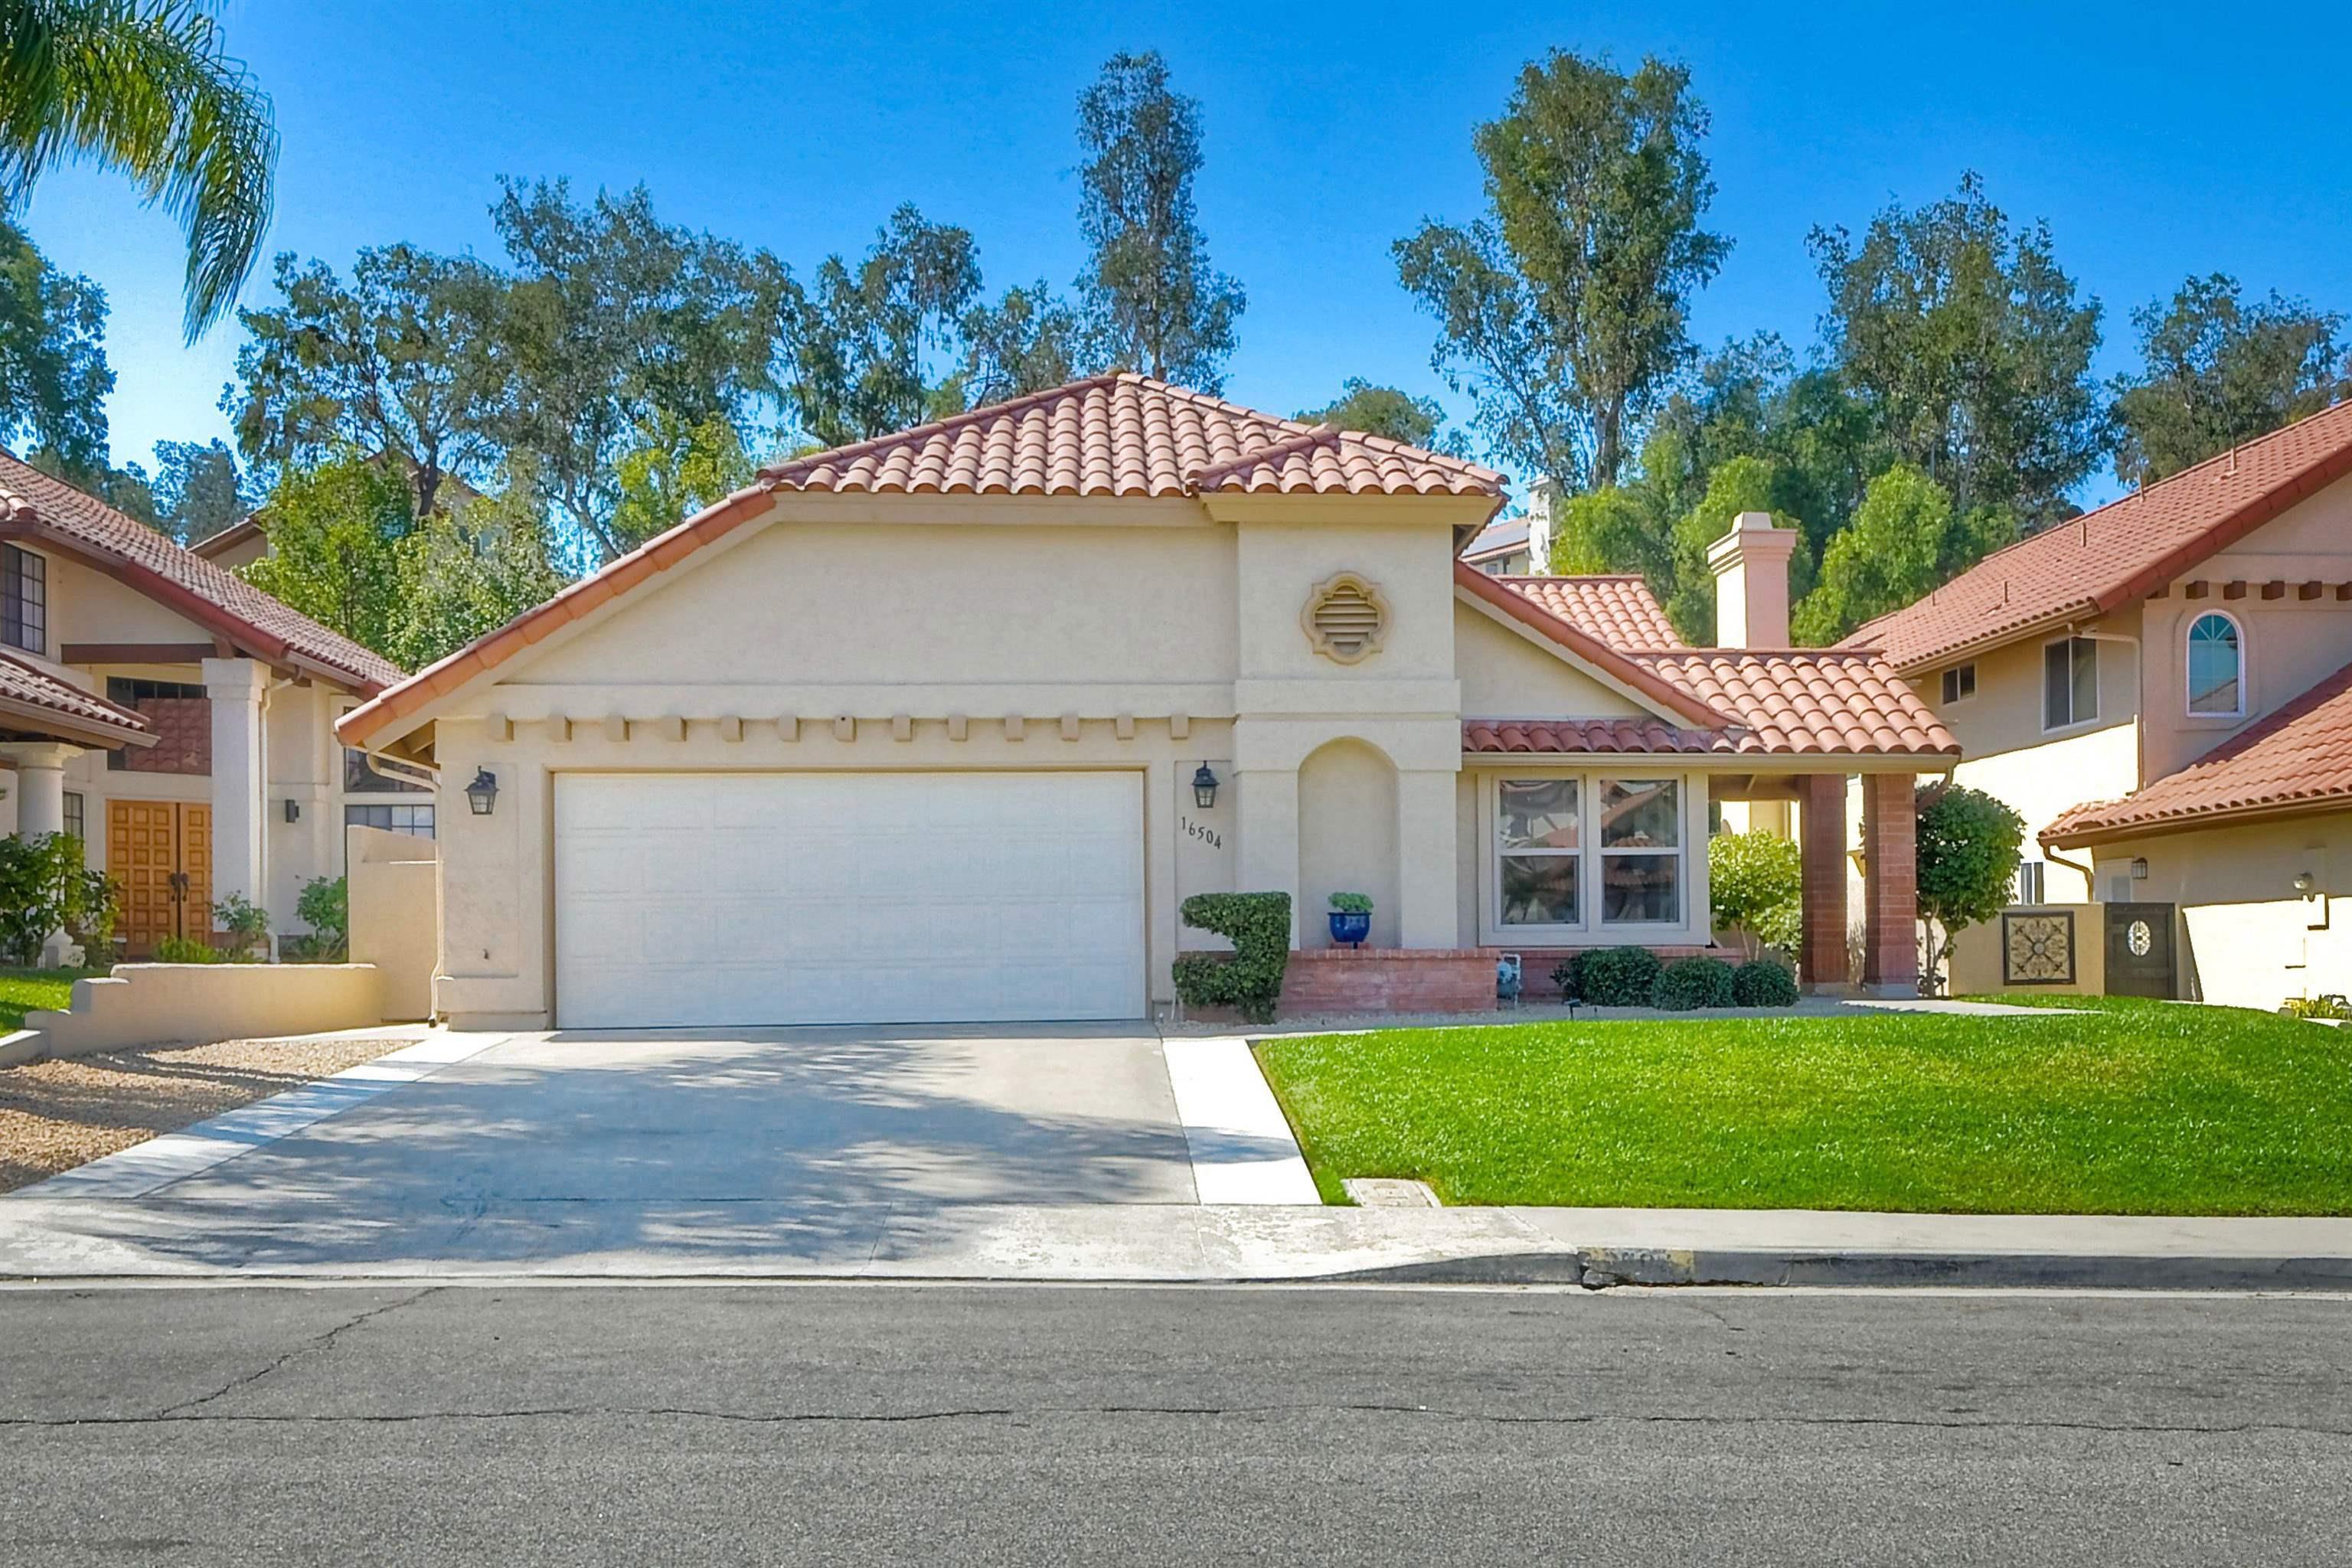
column 749, row 898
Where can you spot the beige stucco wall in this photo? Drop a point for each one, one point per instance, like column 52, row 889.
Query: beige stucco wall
column 149, row 1003
column 1978, row 966
column 2249, row 939
column 1508, row 673
column 1346, row 838
column 395, row 890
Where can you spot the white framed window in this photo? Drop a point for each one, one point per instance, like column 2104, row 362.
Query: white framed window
column 2029, row 881
column 2217, row 665
column 414, row 820
column 1959, row 683
column 2070, row 682
column 1539, row 849
column 76, row 816
column 1640, row 830
column 1571, row 855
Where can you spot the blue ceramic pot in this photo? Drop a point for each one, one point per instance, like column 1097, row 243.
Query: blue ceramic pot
column 1350, row 929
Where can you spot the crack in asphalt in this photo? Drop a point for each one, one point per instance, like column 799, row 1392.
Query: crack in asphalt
column 187, row 1412
column 182, row 1410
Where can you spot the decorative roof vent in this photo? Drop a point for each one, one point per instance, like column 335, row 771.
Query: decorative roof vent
column 1345, row 618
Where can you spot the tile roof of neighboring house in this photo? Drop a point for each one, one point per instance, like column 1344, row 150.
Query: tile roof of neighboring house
column 1620, row 610
column 213, row 546
column 37, row 697
column 1120, row 434
column 33, row 504
column 1127, row 434
column 1499, row 537
column 2299, row 759
column 1785, row 704
column 2119, row 552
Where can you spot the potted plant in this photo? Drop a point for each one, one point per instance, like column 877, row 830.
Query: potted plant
column 1351, row 919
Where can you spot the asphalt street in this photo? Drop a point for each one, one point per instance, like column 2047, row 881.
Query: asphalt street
column 1030, row 1425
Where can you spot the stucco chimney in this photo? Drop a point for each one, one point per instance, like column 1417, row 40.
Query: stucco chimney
column 1751, row 582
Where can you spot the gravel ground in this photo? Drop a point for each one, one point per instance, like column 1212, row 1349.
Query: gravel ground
column 55, row 1115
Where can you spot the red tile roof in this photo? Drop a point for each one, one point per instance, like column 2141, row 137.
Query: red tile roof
column 36, row 507
column 1800, row 702
column 2119, row 552
column 32, row 699
column 1619, row 610
column 2297, row 760
column 1127, row 434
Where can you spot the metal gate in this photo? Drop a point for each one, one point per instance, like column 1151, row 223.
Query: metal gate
column 2139, row 951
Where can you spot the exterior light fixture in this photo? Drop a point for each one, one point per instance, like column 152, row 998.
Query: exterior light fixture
column 2305, row 883
column 483, row 792
column 2139, row 871
column 293, row 810
column 1205, row 788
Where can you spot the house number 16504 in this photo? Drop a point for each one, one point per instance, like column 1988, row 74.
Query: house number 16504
column 1207, row 835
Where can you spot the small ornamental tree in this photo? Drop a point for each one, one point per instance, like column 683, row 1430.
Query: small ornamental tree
column 1968, row 844
column 1757, row 882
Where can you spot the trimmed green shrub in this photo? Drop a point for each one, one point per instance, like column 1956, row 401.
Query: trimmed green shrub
column 1248, row 979
column 183, row 950
column 1689, row 983
column 1617, row 976
column 1764, row 983
column 325, row 906
column 1565, row 974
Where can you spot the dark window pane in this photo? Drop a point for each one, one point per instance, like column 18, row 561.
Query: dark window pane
column 2057, row 685
column 1641, row 888
column 1538, row 814
column 1644, row 814
column 2213, row 665
column 1540, row 889
column 364, row 774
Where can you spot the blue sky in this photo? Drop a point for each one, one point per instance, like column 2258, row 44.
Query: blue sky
column 2157, row 139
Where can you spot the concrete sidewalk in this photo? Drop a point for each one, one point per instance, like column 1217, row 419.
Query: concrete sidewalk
column 160, row 1237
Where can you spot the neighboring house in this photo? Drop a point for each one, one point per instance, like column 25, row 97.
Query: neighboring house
column 240, row 544
column 2159, row 688
column 1517, row 545
column 176, row 718
column 946, row 725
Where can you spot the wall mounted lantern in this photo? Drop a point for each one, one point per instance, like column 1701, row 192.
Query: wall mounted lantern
column 2139, row 871
column 1205, row 788
column 483, row 792
column 293, row 810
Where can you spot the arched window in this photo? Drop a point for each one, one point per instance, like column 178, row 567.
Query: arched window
column 2217, row 664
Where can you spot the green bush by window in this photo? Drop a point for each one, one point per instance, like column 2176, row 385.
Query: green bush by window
column 181, row 949
column 1565, row 974
column 1249, row 978
column 1689, row 983
column 1618, row 977
column 1763, row 983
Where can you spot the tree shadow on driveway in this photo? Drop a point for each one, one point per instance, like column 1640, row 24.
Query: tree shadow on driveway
column 796, row 1145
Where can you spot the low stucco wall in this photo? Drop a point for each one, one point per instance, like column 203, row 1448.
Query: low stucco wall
column 155, row 1003
column 396, row 909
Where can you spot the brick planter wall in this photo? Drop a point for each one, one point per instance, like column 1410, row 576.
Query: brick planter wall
column 1389, row 980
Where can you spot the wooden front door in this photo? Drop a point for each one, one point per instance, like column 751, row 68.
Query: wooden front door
column 161, row 852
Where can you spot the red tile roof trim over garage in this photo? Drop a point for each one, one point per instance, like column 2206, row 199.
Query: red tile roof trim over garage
column 2298, row 759
column 1119, row 436
column 2120, row 553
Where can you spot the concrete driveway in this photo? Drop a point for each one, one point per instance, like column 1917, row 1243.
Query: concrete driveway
column 824, row 1147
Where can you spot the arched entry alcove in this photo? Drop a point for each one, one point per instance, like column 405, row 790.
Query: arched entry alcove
column 1346, row 837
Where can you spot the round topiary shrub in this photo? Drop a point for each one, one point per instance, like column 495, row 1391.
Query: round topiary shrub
column 1618, row 977
column 1689, row 983
column 1762, row 983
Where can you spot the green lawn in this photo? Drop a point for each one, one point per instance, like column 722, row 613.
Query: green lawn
column 2130, row 1108
column 22, row 991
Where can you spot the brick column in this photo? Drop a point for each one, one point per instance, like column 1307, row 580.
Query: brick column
column 1890, row 854
column 1824, row 952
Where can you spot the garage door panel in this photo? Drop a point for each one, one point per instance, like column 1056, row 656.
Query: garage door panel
column 778, row 899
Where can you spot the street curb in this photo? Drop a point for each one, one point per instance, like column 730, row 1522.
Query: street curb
column 1599, row 1268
